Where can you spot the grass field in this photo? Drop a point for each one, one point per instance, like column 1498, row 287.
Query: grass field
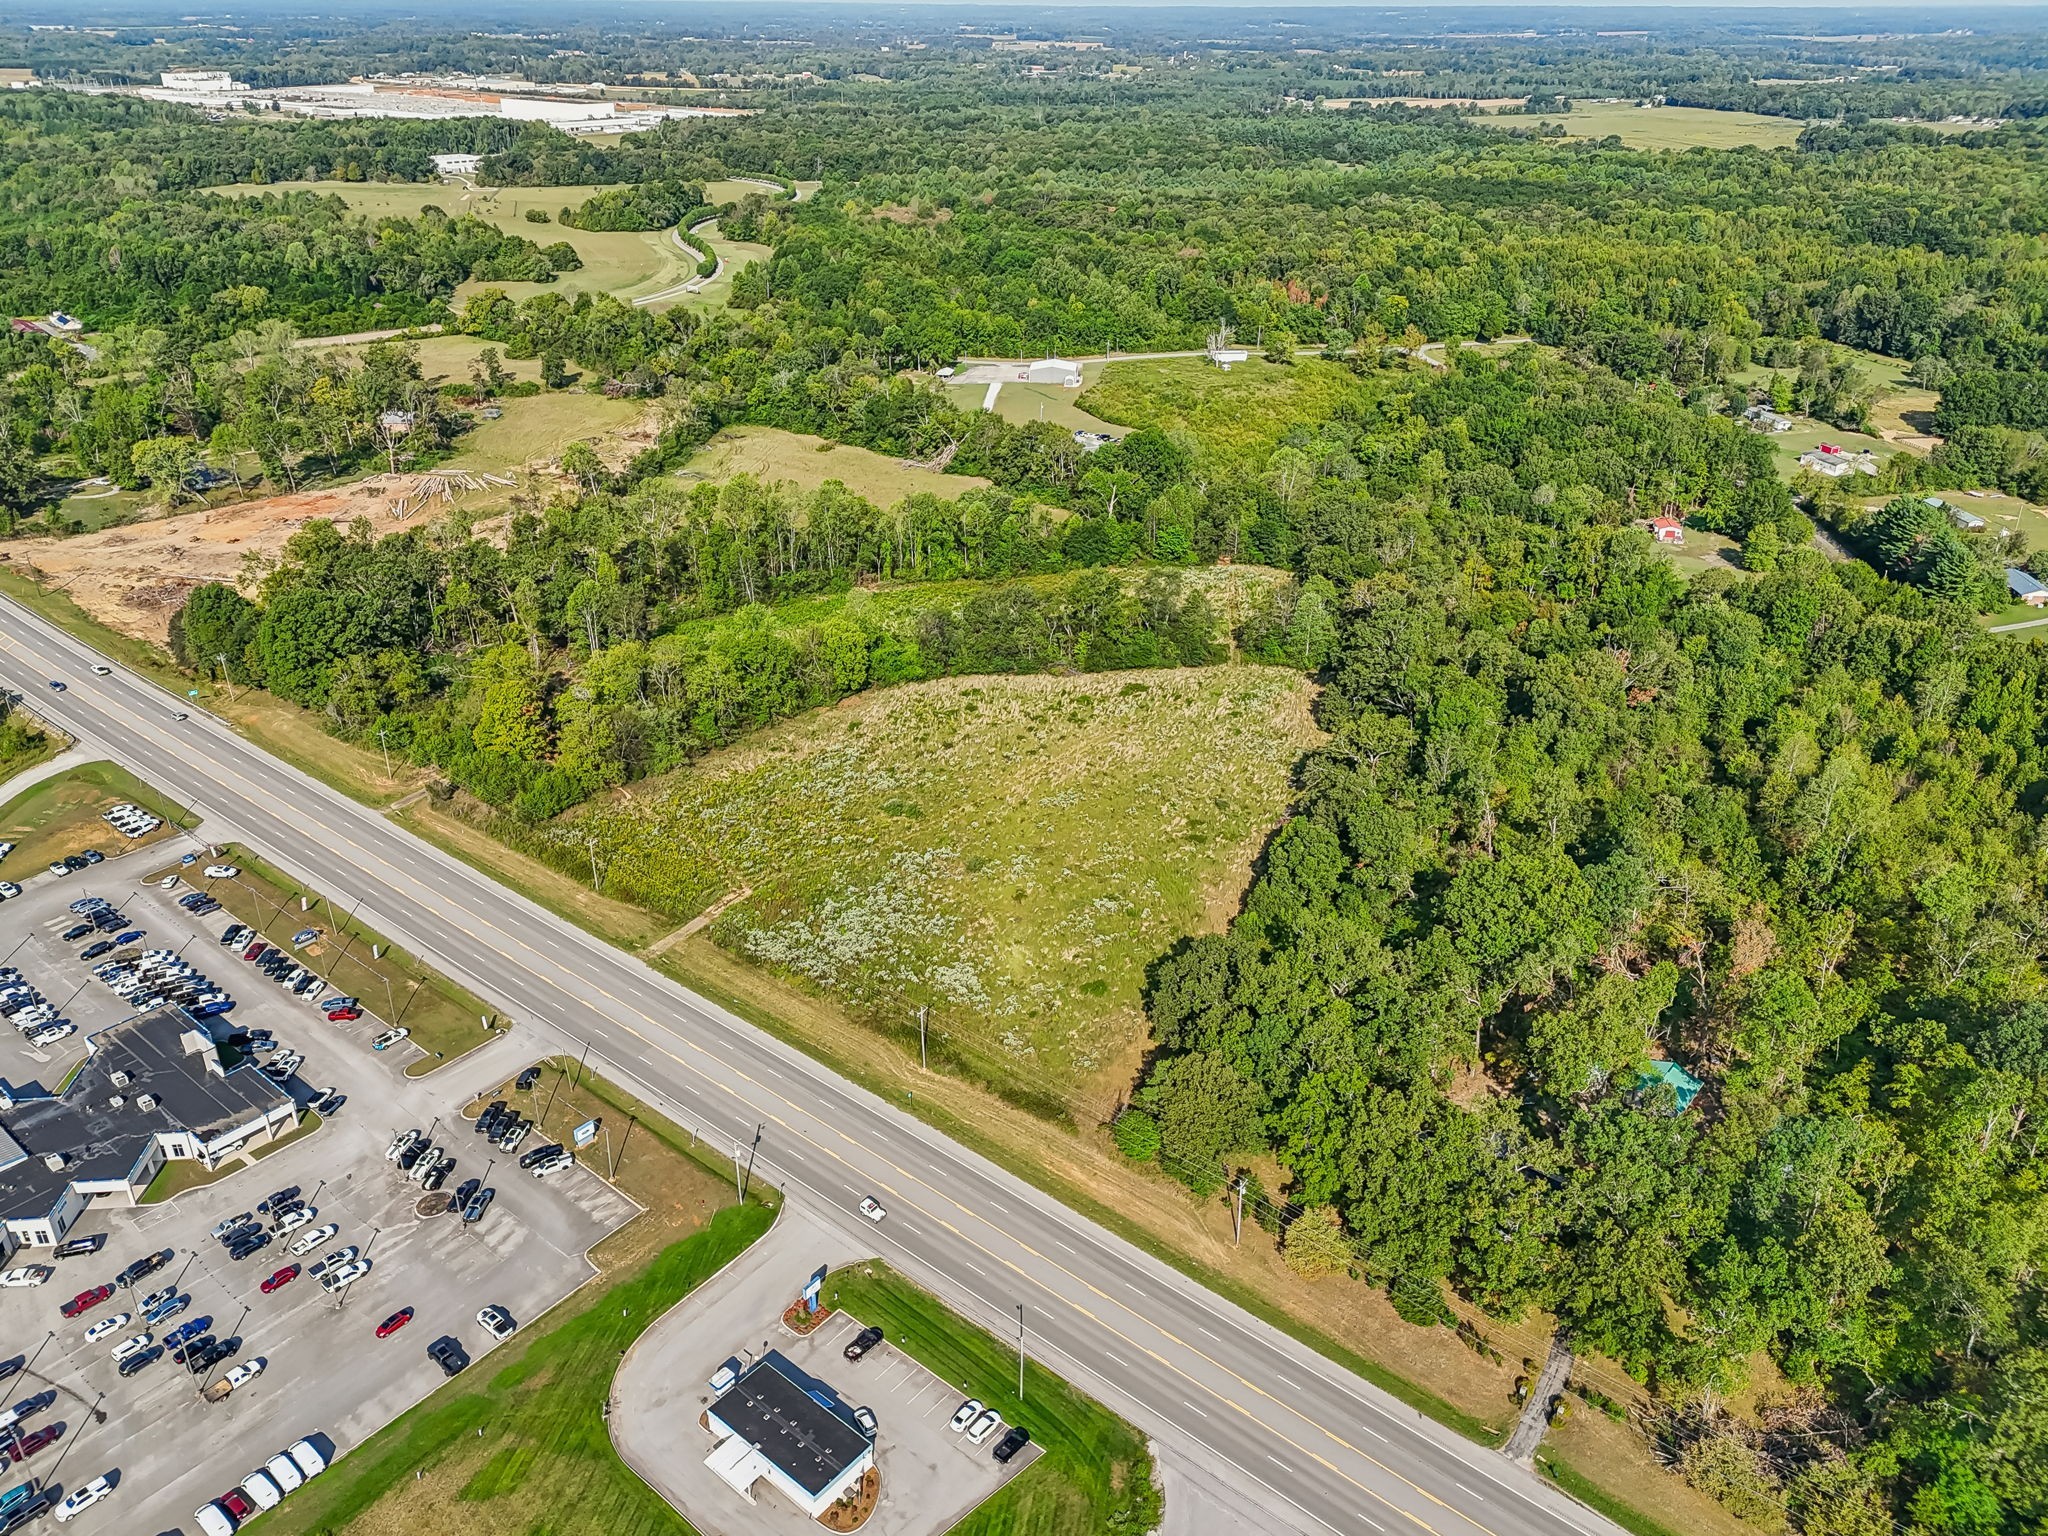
column 61, row 815
column 1096, row 1473
column 1898, row 405
column 1669, row 127
column 445, row 1020
column 540, row 427
column 770, row 454
column 1038, row 402
column 1237, row 416
column 1011, row 852
column 621, row 262
column 518, row 1443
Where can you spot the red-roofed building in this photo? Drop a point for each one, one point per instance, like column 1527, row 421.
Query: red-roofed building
column 1667, row 530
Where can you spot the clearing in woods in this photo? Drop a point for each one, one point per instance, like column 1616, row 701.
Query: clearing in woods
column 770, row 454
column 1239, row 416
column 1668, row 127
column 1010, row 851
column 622, row 262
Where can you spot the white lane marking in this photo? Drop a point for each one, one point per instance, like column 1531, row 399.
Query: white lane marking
column 1463, row 1489
column 1188, row 1405
column 1374, row 1433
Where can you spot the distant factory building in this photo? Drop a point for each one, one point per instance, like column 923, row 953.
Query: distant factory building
column 457, row 165
column 1053, row 370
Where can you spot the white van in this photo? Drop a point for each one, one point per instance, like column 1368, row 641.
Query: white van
column 308, row 1456
column 261, row 1490
column 212, row 1520
column 285, row 1472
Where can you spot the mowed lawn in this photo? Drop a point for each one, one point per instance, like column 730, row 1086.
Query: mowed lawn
column 1009, row 852
column 1236, row 416
column 517, row 1445
column 1669, row 127
column 770, row 454
column 1095, row 1474
column 61, row 815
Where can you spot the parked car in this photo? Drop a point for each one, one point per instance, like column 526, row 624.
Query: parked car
column 50, row 1034
column 463, row 1191
column 76, row 931
column 22, row 1447
column 95, row 950
column 156, row 1298
column 306, row 1242
column 185, row 1332
column 107, row 1325
column 246, row 1372
column 279, row 1199
column 984, row 1426
column 865, row 1418
column 78, row 1247
column 344, row 1015
column 965, row 1414
column 221, row 871
column 145, row 1357
column 293, row 1219
column 27, row 1274
column 164, row 1311
column 539, row 1155
column 328, row 1102
column 864, row 1341
column 341, row 1279
column 248, row 1244
column 497, row 1322
column 478, row 1204
column 334, row 1260
column 133, row 1345
column 389, row 1038
column 279, row 1279
column 85, row 1301
column 394, row 1322
column 260, row 1488
column 81, row 1499
column 527, row 1079
column 9, row 890
column 448, row 1353
column 1012, row 1443
column 725, row 1375
column 145, row 1266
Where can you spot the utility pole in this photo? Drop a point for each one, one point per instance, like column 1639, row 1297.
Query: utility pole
column 383, row 742
column 748, row 1176
column 1020, row 1351
column 624, row 1137
column 1237, row 1220
column 229, row 681
column 924, row 1059
column 590, row 842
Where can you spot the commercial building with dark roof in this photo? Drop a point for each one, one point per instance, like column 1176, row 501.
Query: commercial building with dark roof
column 777, row 1424
column 152, row 1088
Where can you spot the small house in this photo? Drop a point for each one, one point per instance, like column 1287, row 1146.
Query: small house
column 2024, row 588
column 1667, row 530
column 1669, row 1074
column 62, row 324
column 397, row 421
column 1969, row 522
column 1763, row 419
column 1053, row 370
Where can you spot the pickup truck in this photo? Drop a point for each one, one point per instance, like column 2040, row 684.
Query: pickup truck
column 218, row 1390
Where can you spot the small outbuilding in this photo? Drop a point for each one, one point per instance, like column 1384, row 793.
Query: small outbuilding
column 2025, row 588
column 1053, row 370
column 1669, row 1074
column 1667, row 530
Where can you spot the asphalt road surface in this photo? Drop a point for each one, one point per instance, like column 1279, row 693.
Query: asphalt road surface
column 1214, row 1386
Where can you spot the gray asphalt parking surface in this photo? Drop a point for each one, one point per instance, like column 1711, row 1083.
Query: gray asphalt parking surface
column 325, row 1372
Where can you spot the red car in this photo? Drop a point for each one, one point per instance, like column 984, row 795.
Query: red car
column 28, row 1445
column 85, row 1301
column 343, row 1015
column 394, row 1322
column 282, row 1278
column 238, row 1504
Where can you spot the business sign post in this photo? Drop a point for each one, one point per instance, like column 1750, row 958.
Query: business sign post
column 811, row 1288
column 585, row 1133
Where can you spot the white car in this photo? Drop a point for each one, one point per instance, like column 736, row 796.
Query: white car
column 221, row 871
column 871, row 1208
column 107, row 1325
column 292, row 1220
column 81, row 1499
column 347, row 1275
column 305, row 1243
column 497, row 1322
column 102, row 671
column 28, row 1274
column 51, row 1034
column 336, row 1259
column 261, row 1490
column 6, row 849
column 389, row 1038
column 965, row 1414
column 168, row 883
column 131, row 1346
column 9, row 890
column 984, row 1426
column 247, row 1371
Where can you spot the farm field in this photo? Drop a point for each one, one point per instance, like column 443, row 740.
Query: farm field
column 1236, row 416
column 1038, row 402
column 1012, row 852
column 770, row 454
column 1671, row 127
column 541, row 426
column 619, row 262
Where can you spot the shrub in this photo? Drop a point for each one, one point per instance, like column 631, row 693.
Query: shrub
column 1137, row 1135
column 1315, row 1244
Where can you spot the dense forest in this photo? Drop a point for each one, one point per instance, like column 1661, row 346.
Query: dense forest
column 1665, row 954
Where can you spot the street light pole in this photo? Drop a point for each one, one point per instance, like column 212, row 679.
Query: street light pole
column 386, row 745
column 1020, row 1351
column 230, row 682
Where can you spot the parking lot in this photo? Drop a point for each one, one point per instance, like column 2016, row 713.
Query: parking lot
column 325, row 1371
column 931, row 1477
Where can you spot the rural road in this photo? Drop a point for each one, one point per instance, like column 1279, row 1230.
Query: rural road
column 1213, row 1386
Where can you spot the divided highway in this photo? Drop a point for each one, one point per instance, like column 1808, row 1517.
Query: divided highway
column 1220, row 1389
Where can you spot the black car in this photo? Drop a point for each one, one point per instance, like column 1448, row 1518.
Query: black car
column 465, row 1189
column 76, row 932
column 489, row 1118
column 75, row 862
column 540, row 1155
column 12, row 1367
column 77, row 1247
column 213, row 1354
column 144, row 1267
column 136, row 1362
column 527, row 1079
column 411, row 1155
column 1012, row 1443
column 189, row 1353
column 279, row 1199
column 108, row 921
column 448, row 1353
column 248, row 1244
column 479, row 1203
column 864, row 1341
column 94, row 951
column 328, row 1102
